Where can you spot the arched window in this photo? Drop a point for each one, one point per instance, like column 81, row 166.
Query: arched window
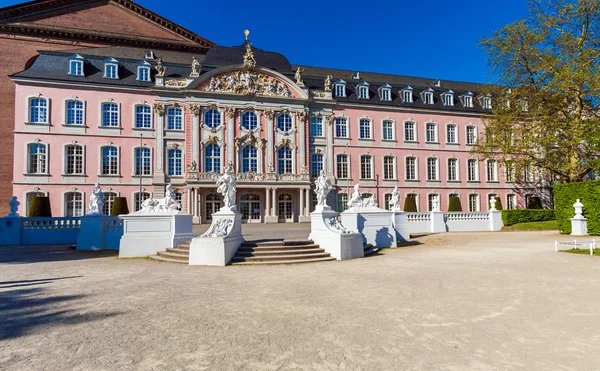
column 411, row 168
column 249, row 121
column 29, row 197
column 109, row 199
column 284, row 122
column 284, row 160
column 212, row 118
column 249, row 159
column 37, row 162
column 389, row 167
column 110, row 161
column 212, row 158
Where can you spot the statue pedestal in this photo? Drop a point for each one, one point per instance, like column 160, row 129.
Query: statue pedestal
column 579, row 227
column 400, row 223
column 339, row 243
column 146, row 233
column 374, row 224
column 99, row 232
column 218, row 250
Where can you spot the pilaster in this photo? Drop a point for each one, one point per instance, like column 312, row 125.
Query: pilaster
column 270, row 114
column 195, row 110
column 159, row 169
column 302, row 142
column 230, row 148
column 328, row 122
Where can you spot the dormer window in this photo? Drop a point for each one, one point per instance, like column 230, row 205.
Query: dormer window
column 149, row 54
column 111, row 68
column 76, row 65
column 143, row 71
column 407, row 95
column 428, row 96
column 448, row 98
column 486, row 101
column 385, row 92
column 467, row 100
column 340, row 88
column 363, row 90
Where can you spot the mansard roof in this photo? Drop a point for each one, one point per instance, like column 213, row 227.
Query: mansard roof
column 219, row 56
column 30, row 19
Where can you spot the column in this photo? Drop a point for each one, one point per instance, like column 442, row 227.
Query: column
column 301, row 126
column 195, row 109
column 159, row 149
column 270, row 114
column 230, row 113
column 196, row 217
column 189, row 201
column 271, row 216
column 328, row 122
column 268, row 202
column 301, row 203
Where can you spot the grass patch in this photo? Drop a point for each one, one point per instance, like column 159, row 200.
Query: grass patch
column 582, row 251
column 534, row 226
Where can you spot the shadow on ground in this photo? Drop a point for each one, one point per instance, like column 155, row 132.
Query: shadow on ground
column 23, row 254
column 23, row 310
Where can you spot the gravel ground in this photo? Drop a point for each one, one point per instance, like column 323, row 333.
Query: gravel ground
column 455, row 301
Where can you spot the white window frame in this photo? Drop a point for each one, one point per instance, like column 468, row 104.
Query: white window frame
column 427, row 97
column 467, row 100
column 436, row 173
column 310, row 126
column 511, row 204
column 370, row 164
column 468, row 140
column 101, row 115
column 494, row 171
column 66, row 112
column 134, row 199
column 335, row 122
column 78, row 61
column 393, row 125
column 435, row 132
column 28, row 108
column 27, row 204
column 100, row 168
column 337, row 166
column 144, row 66
column 475, row 177
column 64, row 202
column 340, row 86
column 486, row 102
column 221, row 118
column 113, row 63
column 370, row 128
column 363, row 91
column 276, row 122
column 133, row 161
column 456, row 170
column 66, row 158
column 182, row 115
column 393, row 167
column 134, row 116
column 181, row 159
column 448, row 98
column 385, row 93
column 477, row 204
column 414, row 128
column 416, row 168
column 407, row 93
column 28, row 158
column 448, row 126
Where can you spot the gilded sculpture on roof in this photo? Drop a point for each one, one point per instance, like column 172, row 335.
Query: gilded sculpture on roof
column 248, row 83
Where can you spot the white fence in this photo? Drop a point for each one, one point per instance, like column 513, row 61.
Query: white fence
column 418, row 222
column 576, row 245
column 454, row 221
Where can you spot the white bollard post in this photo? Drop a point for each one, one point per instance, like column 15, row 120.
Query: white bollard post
column 578, row 222
column 591, row 249
column 555, row 245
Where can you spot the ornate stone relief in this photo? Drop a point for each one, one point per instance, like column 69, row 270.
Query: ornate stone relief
column 175, row 83
column 270, row 114
column 230, row 112
column 335, row 224
column 219, row 228
column 195, row 109
column 250, row 139
column 159, row 108
column 248, row 83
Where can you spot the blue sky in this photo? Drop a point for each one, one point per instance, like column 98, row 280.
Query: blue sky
column 426, row 38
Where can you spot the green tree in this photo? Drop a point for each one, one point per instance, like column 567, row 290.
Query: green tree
column 545, row 99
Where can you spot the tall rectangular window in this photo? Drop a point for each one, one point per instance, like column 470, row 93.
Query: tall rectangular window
column 342, row 202
column 510, row 172
column 110, row 114
column 411, row 168
column 473, row 202
column 139, row 198
column 511, row 201
column 428, row 98
column 174, row 119
column 388, row 130
column 340, row 90
column 143, row 73
column 341, row 127
column 365, row 129
column 472, row 170
column 407, row 96
column 143, row 161
column 366, row 167
column 432, row 168
column 74, row 113
column 175, row 162
column 316, row 164
column 38, row 110
column 73, row 204
column 76, row 67
column 363, row 92
column 109, row 200
column 111, row 71
column 212, row 158
column 410, row 134
column 431, row 132
column 110, row 161
column 249, row 159
column 38, row 159
column 143, row 117
column 389, row 168
column 448, row 100
column 430, row 198
column 492, row 171
column 451, row 136
column 471, row 135
column 342, row 166
column 452, row 169
column 74, row 158
column 385, row 94
column 316, row 126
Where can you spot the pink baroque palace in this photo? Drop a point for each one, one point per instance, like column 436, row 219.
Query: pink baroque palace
column 134, row 120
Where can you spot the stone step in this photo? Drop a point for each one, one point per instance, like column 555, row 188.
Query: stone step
column 281, row 257
column 183, row 247
column 167, row 260
column 279, row 248
column 276, row 243
column 179, row 251
column 173, row 256
column 278, row 252
column 296, row 261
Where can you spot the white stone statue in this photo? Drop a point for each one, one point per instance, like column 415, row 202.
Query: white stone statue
column 161, row 69
column 193, row 167
column 161, row 205
column 328, row 83
column 195, row 67
column 298, row 76
column 219, row 228
column 493, row 204
column 270, row 168
column 435, row 203
column 335, row 224
column 96, row 200
column 395, row 200
column 356, row 198
column 322, row 188
column 578, row 206
column 226, row 186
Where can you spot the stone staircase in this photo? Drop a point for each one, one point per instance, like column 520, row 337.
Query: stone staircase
column 180, row 254
column 257, row 253
column 279, row 252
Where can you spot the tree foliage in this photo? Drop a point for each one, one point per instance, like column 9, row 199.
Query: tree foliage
column 545, row 112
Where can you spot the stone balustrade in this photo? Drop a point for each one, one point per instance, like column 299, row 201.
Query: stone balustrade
column 249, row 177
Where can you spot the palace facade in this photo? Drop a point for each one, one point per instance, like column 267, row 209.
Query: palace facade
column 135, row 119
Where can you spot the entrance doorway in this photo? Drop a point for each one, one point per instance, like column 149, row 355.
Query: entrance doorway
column 250, row 208
column 284, row 208
column 212, row 205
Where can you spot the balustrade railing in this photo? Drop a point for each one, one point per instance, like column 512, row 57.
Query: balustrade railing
column 462, row 216
column 51, row 223
column 251, row 177
column 418, row 217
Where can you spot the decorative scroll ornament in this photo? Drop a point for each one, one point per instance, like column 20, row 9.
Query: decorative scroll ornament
column 175, row 83
column 161, row 205
column 270, row 168
column 212, row 139
column 159, row 108
column 270, row 114
column 335, row 224
column 195, row 68
column 230, row 112
column 96, row 200
column 219, row 228
column 322, row 188
column 193, row 167
column 301, row 115
column 195, row 109
column 304, row 169
column 285, row 142
column 248, row 83
column 328, row 118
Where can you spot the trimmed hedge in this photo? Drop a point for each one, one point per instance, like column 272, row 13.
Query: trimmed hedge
column 410, row 204
column 454, row 204
column 565, row 196
column 534, row 203
column 498, row 204
column 514, row 216
column 40, row 207
column 119, row 206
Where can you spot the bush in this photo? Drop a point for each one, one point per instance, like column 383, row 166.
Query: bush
column 40, row 207
column 515, row 216
column 454, row 204
column 564, row 198
column 534, row 203
column 119, row 206
column 410, row 204
column 498, row 204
